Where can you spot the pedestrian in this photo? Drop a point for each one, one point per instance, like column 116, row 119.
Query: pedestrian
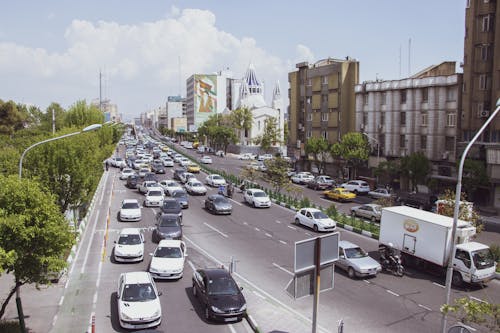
column 107, row 165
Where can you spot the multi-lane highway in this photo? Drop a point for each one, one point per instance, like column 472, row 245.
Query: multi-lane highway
column 261, row 243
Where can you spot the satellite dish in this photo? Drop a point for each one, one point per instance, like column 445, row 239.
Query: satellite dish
column 459, row 329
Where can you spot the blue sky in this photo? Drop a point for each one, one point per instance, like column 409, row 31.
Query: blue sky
column 53, row 50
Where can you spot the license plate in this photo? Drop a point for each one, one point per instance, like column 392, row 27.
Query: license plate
column 231, row 319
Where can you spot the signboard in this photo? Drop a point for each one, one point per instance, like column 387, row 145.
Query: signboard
column 304, row 252
column 205, row 97
column 302, row 284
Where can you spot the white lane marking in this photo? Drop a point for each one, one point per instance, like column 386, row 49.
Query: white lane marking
column 191, row 265
column 308, row 234
column 424, row 307
column 439, row 285
column 231, row 328
column 477, row 299
column 61, row 300
column 392, row 292
column 216, row 230
column 99, row 270
column 257, row 229
column 258, row 294
column 90, row 243
column 279, row 222
column 94, row 301
column 54, row 320
column 269, row 235
column 283, row 242
column 245, row 223
column 236, row 202
column 282, row 268
column 293, row 228
column 367, row 281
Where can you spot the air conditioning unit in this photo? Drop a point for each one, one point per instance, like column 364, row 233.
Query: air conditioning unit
column 445, row 155
column 298, row 144
column 362, row 126
column 300, row 126
column 483, row 114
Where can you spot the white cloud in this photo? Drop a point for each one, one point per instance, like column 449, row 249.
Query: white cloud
column 304, row 54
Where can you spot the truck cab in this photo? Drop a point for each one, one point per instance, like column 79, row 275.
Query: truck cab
column 473, row 263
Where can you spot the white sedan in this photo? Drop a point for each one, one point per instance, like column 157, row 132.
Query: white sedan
column 206, row 160
column 167, row 162
column 257, row 198
column 130, row 210
column 315, row 219
column 184, row 162
column 215, row 180
column 130, row 246
column 154, row 197
column 167, row 261
column 195, row 187
column 169, row 186
column 126, row 172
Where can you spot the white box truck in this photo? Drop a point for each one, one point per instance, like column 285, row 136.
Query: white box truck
column 424, row 239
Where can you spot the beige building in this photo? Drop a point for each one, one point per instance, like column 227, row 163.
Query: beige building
column 322, row 102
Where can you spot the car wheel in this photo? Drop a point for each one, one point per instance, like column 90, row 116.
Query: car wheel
column 456, row 279
column 254, row 206
column 207, row 313
column 315, row 228
column 194, row 291
column 356, row 192
column 350, row 273
column 297, row 222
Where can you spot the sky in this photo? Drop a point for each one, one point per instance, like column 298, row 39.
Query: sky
column 53, row 50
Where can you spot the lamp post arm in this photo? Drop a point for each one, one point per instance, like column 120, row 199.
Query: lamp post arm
column 37, row 144
column 458, row 191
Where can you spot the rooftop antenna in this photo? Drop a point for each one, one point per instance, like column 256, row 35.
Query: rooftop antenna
column 179, row 58
column 400, row 61
column 409, row 57
column 100, row 90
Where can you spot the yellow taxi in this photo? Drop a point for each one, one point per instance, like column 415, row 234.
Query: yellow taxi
column 339, row 194
column 193, row 168
column 165, row 148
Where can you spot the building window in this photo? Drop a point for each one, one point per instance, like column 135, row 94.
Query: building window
column 324, row 117
column 425, row 95
column 308, row 134
column 365, row 99
column 485, row 52
column 403, row 96
column 315, row 110
column 423, row 142
column 451, row 94
column 402, row 141
column 382, row 118
column 383, row 99
column 324, row 135
column 308, row 100
column 331, row 110
column 484, row 82
column 424, row 119
column 325, row 79
column 402, row 119
column 467, row 3
column 451, row 119
column 449, row 143
column 486, row 23
column 309, row 117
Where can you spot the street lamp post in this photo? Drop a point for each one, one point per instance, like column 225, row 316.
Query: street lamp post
column 458, row 191
column 18, row 291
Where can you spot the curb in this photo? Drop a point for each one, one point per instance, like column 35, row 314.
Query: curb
column 252, row 323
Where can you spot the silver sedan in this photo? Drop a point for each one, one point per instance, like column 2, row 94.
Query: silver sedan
column 369, row 211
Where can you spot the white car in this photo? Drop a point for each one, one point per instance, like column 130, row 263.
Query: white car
column 154, row 197
column 206, row 160
column 195, row 187
column 139, row 162
column 257, row 198
column 167, row 162
column 380, row 193
column 118, row 162
column 126, row 172
column 177, row 157
column 138, row 301
column 167, row 261
column 247, row 156
column 215, row 180
column 144, row 187
column 169, row 186
column 302, row 178
column 315, row 219
column 355, row 261
column 264, row 157
column 130, row 246
column 356, row 186
column 184, row 162
column 130, row 210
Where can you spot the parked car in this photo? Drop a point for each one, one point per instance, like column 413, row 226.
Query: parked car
column 215, row 180
column 257, row 198
column 126, row 172
column 193, row 168
column 167, row 260
column 355, row 261
column 380, row 193
column 370, row 211
column 130, row 210
column 264, row 157
column 220, row 153
column 339, row 194
column 138, row 301
column 315, row 219
column 132, row 181
column 247, row 156
column 182, row 197
column 356, row 186
column 171, row 206
column 219, row 295
column 218, row 204
column 169, row 186
column 195, row 187
column 130, row 246
column 321, row 183
column 206, row 160
column 154, row 197
column 144, row 187
column 168, row 226
column 302, row 178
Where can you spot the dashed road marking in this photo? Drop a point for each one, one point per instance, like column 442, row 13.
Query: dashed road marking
column 283, row 242
column 366, row 281
column 424, row 307
column 61, row 300
column 392, row 292
column 258, row 294
column 308, row 234
column 277, row 221
column 293, row 228
column 439, row 285
column 269, row 235
column 216, row 230
column 257, row 229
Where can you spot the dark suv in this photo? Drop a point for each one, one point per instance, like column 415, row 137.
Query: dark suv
column 219, row 294
column 168, row 226
column 132, row 181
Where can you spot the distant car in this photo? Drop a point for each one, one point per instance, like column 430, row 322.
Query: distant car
column 370, row 211
column 219, row 295
column 253, row 165
column 315, row 219
column 138, row 301
column 220, row 153
column 184, row 177
column 355, row 261
column 356, row 186
column 177, row 157
column 167, row 261
column 218, row 204
column 150, row 176
column 182, row 197
column 168, row 226
column 302, row 178
column 206, row 160
column 247, row 156
column 118, row 162
column 132, row 181
column 158, row 168
column 143, row 171
column 130, row 246
column 154, row 197
column 380, row 193
column 339, row 194
column 321, row 183
column 171, row 206
column 215, row 180
column 168, row 162
column 184, row 162
column 126, row 172
column 195, row 187
column 264, row 157
column 257, row 198
column 130, row 210
column 193, row 168
column 144, row 187
column 169, row 186
column 178, row 172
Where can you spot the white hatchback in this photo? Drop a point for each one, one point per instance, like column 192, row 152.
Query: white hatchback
column 154, row 197
column 130, row 210
column 130, row 246
column 215, row 180
column 167, row 261
column 257, row 198
column 315, row 219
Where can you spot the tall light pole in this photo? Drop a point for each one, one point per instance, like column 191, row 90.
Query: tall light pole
column 18, row 291
column 458, row 191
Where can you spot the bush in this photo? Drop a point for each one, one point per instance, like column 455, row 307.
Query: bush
column 9, row 326
column 495, row 251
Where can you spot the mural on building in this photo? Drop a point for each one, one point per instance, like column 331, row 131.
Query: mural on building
column 205, row 103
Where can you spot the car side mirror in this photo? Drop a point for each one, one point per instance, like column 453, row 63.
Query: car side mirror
column 160, row 293
column 241, row 288
column 114, row 242
column 342, row 256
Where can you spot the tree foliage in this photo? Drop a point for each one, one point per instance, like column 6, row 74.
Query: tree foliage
column 320, row 150
column 276, row 174
column 466, row 210
column 353, row 148
column 80, row 115
column 271, row 135
column 469, row 311
column 59, row 115
column 241, row 119
column 416, row 167
column 11, row 117
column 474, row 175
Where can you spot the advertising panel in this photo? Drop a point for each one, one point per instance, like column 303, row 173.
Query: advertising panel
column 205, row 97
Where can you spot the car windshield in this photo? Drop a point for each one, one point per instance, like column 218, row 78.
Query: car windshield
column 170, row 204
column 129, row 239
column 220, row 200
column 154, row 193
column 141, row 292
column 483, row 258
column 355, row 252
column 179, row 194
column 217, row 177
column 168, row 252
column 259, row 194
column 222, row 286
column 320, row 215
column 169, row 222
column 130, row 205
column 196, row 184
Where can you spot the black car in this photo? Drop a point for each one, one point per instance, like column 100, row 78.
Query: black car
column 158, row 168
column 150, row 176
column 178, row 172
column 132, row 181
column 171, row 206
column 182, row 197
column 219, row 294
column 218, row 204
column 168, row 226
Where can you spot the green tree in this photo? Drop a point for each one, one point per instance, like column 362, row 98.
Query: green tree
column 276, row 173
column 270, row 136
column 465, row 212
column 249, row 174
column 469, row 311
column 416, row 167
column 320, row 150
column 33, row 231
column 354, row 149
column 81, row 115
column 241, row 119
column 11, row 118
column 223, row 136
column 59, row 115
column 389, row 171
column 474, row 175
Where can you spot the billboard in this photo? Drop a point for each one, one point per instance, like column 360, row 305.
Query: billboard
column 205, row 97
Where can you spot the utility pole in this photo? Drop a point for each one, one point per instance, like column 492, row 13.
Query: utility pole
column 53, row 122
column 100, row 91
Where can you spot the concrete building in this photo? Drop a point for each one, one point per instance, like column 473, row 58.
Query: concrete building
column 322, row 102
column 481, row 66
column 417, row 114
column 109, row 109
